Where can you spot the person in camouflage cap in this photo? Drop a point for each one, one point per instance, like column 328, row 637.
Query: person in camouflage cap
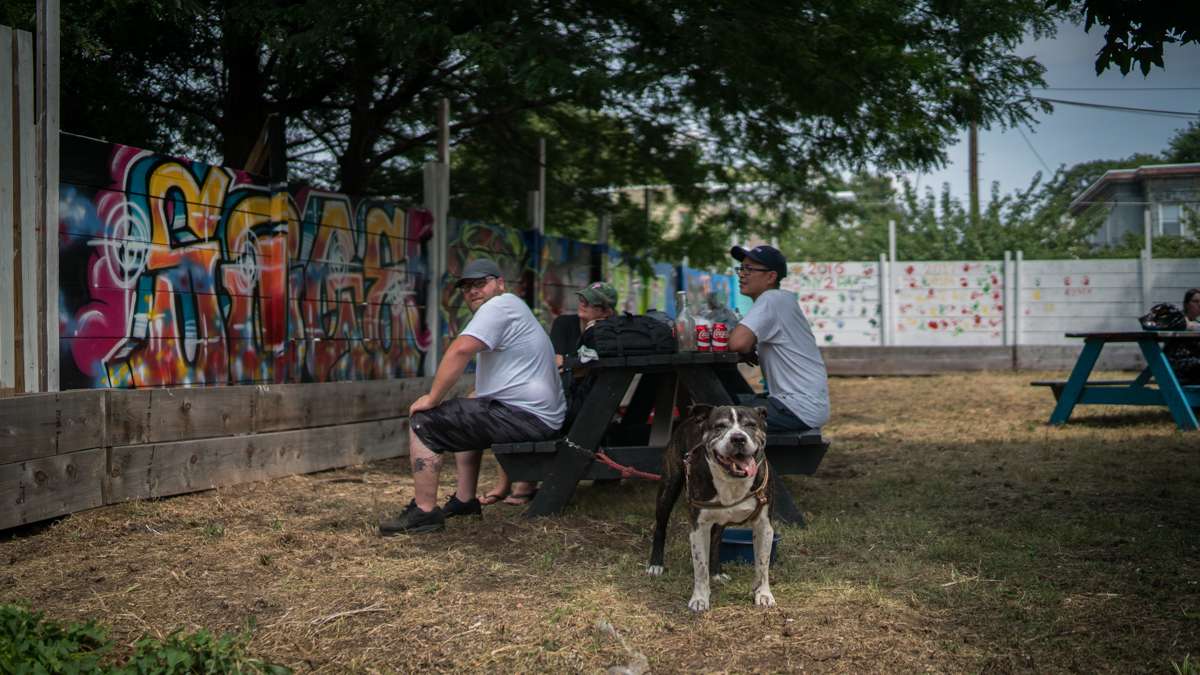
column 597, row 300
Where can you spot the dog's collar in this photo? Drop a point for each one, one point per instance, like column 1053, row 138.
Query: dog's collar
column 759, row 493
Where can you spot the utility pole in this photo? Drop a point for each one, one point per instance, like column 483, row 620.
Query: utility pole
column 541, row 201
column 973, row 170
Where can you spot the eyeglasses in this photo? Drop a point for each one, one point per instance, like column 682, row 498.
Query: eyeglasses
column 746, row 269
column 467, row 285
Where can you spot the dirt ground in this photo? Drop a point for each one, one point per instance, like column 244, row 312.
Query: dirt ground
column 950, row 530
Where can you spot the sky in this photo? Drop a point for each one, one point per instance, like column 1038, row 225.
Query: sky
column 1071, row 134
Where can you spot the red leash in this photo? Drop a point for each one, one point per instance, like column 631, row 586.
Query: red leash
column 626, row 471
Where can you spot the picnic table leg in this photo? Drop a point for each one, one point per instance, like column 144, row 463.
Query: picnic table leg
column 1168, row 385
column 664, row 411
column 573, row 458
column 704, row 386
column 1074, row 387
column 783, row 507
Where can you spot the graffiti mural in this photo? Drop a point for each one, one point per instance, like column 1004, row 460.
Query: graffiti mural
column 631, row 286
column 563, row 267
column 175, row 272
column 357, row 277
column 840, row 299
column 949, row 303
column 662, row 288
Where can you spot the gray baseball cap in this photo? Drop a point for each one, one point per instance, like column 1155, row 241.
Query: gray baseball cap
column 478, row 269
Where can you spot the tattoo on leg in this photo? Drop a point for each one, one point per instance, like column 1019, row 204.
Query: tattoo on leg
column 419, row 464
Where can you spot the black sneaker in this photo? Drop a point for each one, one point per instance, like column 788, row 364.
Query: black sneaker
column 413, row 521
column 454, row 507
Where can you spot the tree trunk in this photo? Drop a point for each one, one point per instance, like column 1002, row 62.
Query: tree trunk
column 354, row 166
column 244, row 110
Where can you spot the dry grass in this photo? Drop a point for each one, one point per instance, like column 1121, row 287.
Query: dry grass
column 950, row 530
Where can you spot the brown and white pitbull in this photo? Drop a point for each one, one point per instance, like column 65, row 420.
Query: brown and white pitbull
column 720, row 453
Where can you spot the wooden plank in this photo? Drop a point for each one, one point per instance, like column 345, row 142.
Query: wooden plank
column 187, row 413
column 7, row 173
column 161, row 469
column 51, row 486
column 296, row 406
column 137, row 416
column 40, row 425
column 48, row 76
column 26, row 223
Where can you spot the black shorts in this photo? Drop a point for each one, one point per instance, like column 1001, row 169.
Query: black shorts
column 779, row 416
column 466, row 424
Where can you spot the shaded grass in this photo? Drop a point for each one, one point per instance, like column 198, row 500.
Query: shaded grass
column 949, row 530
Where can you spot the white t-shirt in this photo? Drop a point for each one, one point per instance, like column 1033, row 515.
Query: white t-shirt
column 789, row 356
column 518, row 365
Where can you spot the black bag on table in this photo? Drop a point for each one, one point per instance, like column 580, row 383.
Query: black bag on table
column 629, row 335
column 1164, row 316
column 1184, row 357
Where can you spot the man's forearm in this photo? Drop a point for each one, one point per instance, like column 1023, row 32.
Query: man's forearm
column 742, row 339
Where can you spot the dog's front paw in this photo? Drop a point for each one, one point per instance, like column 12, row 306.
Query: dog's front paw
column 721, row 578
column 654, row 570
column 763, row 598
column 698, row 604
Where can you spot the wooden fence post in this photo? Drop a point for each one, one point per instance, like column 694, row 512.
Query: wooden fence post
column 8, row 288
column 1008, row 298
column 885, row 293
column 26, row 273
column 1016, row 303
column 47, row 188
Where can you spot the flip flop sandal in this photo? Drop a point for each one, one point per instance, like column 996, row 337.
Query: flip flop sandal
column 520, row 500
column 493, row 497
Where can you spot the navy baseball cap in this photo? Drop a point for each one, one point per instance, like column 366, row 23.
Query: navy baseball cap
column 479, row 269
column 767, row 256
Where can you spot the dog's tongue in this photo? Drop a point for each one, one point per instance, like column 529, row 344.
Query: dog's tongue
column 747, row 464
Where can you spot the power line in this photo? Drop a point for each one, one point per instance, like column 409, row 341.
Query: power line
column 1121, row 108
column 1034, row 150
column 1117, row 88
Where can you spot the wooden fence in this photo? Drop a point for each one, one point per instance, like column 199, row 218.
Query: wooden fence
column 70, row 451
column 28, row 209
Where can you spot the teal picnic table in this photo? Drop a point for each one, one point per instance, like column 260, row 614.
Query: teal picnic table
column 1155, row 385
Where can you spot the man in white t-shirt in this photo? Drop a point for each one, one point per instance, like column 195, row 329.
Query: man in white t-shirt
column 518, row 397
column 797, row 389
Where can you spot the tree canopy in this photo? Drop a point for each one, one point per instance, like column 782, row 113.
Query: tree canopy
column 1135, row 30
column 705, row 97
column 1184, row 146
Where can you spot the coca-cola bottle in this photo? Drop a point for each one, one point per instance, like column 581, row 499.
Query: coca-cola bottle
column 685, row 324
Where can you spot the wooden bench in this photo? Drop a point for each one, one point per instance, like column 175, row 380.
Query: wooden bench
column 789, row 453
column 1056, row 386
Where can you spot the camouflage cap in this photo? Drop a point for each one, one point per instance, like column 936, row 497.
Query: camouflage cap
column 599, row 293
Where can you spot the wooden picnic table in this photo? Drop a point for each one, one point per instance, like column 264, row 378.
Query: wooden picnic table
column 668, row 382
column 1180, row 399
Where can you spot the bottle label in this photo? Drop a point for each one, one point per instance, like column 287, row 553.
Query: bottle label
column 720, row 337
